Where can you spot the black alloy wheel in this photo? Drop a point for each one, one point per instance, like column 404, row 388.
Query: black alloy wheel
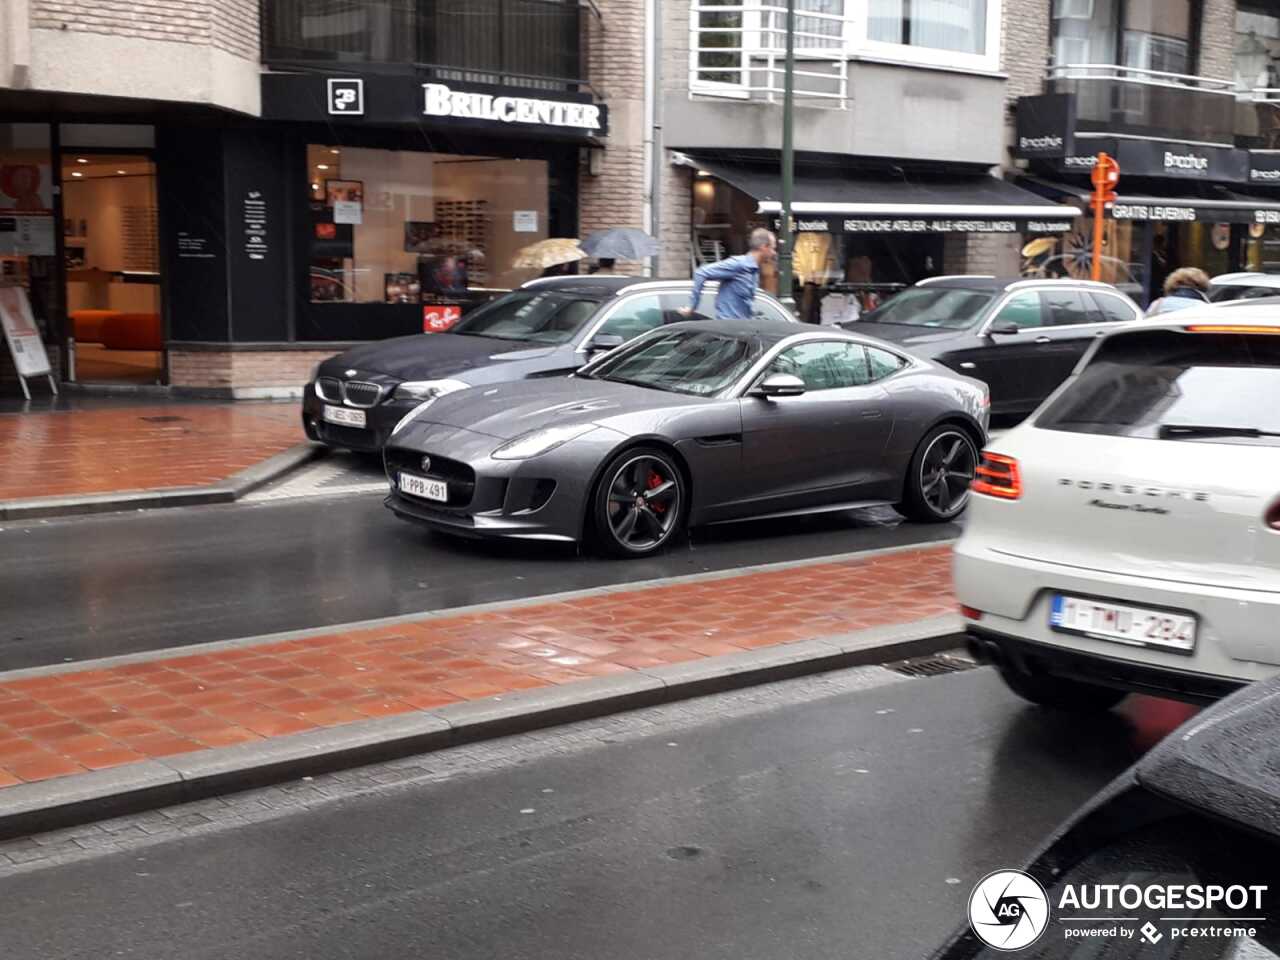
column 940, row 475
column 639, row 503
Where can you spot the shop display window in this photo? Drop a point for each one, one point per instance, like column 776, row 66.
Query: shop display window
column 28, row 240
column 403, row 227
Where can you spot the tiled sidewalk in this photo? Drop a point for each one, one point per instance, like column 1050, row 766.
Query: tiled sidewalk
column 152, row 447
column 91, row 719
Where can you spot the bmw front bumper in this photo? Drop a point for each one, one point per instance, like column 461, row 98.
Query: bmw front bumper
column 381, row 419
column 542, row 498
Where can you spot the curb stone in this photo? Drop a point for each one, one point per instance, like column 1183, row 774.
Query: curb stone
column 228, row 491
column 84, row 798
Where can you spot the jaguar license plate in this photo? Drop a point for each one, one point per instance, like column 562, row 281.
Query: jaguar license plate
column 1121, row 623
column 345, row 417
column 425, row 488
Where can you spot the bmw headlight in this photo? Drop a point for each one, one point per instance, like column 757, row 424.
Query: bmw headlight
column 537, row 442
column 427, row 389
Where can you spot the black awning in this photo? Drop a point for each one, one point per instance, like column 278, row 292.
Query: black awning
column 824, row 199
column 1188, row 203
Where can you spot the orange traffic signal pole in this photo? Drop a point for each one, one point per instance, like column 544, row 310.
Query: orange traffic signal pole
column 1106, row 174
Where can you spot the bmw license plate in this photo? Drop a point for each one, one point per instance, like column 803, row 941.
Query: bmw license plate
column 1136, row 626
column 345, row 417
column 416, row 486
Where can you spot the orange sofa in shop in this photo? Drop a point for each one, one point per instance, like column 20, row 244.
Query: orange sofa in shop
column 117, row 329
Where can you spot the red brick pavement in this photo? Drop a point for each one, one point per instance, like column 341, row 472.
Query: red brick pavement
column 139, row 447
column 97, row 718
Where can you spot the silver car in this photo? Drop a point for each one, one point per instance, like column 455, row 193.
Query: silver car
column 695, row 423
column 1127, row 536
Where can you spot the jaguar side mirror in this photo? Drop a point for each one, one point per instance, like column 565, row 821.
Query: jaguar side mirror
column 1008, row 328
column 779, row 385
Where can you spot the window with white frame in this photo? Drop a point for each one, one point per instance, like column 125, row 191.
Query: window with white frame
column 964, row 34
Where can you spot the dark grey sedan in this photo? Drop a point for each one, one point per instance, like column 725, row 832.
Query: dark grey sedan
column 1020, row 337
column 696, row 423
column 546, row 328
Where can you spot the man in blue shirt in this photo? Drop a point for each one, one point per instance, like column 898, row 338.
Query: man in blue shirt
column 739, row 277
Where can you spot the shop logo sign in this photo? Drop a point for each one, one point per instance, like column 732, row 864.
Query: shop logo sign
column 442, row 101
column 1185, row 161
column 1256, row 174
column 1270, row 217
column 1039, row 143
column 1008, row 910
column 346, row 97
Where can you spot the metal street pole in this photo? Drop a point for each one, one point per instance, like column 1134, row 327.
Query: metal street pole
column 788, row 161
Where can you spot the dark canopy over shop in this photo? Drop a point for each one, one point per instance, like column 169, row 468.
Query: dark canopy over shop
column 825, row 200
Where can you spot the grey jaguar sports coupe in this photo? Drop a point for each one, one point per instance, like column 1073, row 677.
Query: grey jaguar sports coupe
column 694, row 423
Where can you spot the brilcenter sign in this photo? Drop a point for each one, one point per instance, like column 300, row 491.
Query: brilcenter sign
column 440, row 100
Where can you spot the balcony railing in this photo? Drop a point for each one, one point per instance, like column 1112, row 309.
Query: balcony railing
column 1150, row 103
column 536, row 43
column 738, row 49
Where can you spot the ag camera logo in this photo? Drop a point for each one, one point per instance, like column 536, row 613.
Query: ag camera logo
column 1008, row 910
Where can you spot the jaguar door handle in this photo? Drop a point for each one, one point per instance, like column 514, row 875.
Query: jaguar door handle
column 968, row 365
column 872, row 414
column 1044, row 340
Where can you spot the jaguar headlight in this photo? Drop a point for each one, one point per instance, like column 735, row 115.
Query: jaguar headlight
column 537, row 442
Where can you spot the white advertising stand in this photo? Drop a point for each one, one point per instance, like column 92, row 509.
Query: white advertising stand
column 23, row 337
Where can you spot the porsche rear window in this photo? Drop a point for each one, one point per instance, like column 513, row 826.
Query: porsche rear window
column 1201, row 387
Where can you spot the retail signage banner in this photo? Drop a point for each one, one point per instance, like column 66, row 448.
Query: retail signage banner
column 22, row 334
column 993, row 224
column 1159, row 158
column 390, row 100
column 1264, row 167
column 1185, row 211
column 1045, row 126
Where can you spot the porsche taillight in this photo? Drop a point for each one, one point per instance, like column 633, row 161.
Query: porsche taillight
column 1272, row 517
column 997, row 476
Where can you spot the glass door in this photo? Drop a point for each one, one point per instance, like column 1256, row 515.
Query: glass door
column 111, row 251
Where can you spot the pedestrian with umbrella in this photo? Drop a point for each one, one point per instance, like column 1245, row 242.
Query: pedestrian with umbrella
column 620, row 243
column 554, row 257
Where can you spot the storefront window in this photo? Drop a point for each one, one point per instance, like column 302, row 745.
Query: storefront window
column 28, row 240
column 393, row 226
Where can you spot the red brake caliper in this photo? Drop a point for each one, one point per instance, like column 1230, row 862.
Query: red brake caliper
column 653, row 483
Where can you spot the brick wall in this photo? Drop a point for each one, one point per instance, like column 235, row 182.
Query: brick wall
column 241, row 371
column 616, row 68
column 1024, row 47
column 183, row 21
column 229, row 25
column 677, row 227
column 1217, row 40
column 235, row 28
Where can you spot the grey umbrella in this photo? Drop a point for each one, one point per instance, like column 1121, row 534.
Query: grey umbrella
column 620, row 243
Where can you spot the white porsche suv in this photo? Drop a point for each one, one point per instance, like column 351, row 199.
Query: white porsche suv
column 1127, row 535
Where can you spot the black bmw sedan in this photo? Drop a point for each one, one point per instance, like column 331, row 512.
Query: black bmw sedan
column 1021, row 337
column 547, row 328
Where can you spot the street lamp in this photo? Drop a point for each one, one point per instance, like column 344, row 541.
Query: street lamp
column 788, row 161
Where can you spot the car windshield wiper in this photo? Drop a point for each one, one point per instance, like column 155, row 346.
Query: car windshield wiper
column 635, row 383
column 1175, row 431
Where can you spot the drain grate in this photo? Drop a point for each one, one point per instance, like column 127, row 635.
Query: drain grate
column 164, row 419
column 933, row 666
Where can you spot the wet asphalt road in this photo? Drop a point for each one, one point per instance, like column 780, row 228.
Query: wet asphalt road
column 80, row 588
column 846, row 815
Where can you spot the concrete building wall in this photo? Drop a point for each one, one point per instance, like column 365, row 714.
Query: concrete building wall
column 614, row 195
column 196, row 51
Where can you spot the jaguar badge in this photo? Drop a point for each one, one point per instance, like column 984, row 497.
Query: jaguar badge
column 426, row 464
column 349, row 373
